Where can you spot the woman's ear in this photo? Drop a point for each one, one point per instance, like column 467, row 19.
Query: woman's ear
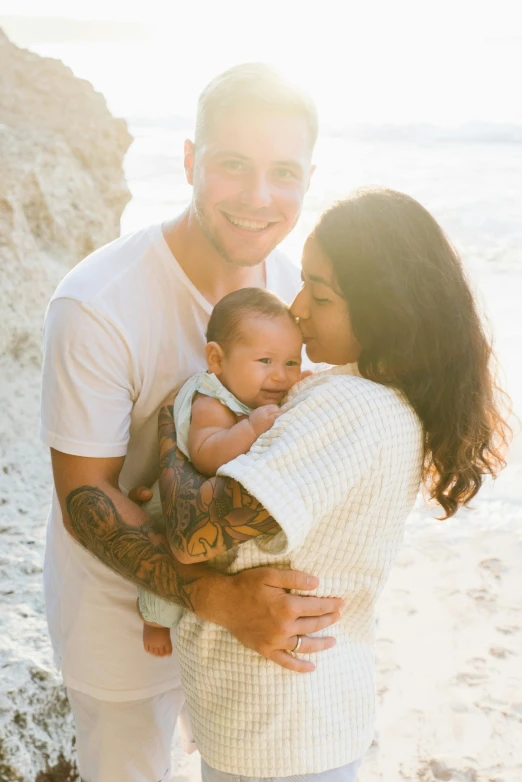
column 215, row 357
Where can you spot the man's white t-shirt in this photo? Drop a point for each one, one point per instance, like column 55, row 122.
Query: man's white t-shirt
column 123, row 330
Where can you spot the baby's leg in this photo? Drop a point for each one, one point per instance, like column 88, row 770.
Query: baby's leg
column 156, row 638
column 159, row 616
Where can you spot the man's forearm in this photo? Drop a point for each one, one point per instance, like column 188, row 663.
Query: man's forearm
column 204, row 517
column 137, row 551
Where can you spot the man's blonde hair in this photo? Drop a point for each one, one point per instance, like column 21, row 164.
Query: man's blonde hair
column 253, row 85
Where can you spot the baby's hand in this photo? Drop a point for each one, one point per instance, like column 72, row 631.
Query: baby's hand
column 262, row 418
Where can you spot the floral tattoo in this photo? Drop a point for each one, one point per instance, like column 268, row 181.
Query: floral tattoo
column 204, row 516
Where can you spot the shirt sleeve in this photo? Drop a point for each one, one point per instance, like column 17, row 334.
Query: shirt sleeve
column 314, row 455
column 87, row 390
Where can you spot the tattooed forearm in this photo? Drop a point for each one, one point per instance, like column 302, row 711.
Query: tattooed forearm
column 204, row 517
column 138, row 553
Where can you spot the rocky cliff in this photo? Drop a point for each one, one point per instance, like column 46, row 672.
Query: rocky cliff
column 62, row 192
column 62, row 189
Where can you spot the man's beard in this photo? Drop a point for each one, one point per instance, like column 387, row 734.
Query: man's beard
column 213, row 238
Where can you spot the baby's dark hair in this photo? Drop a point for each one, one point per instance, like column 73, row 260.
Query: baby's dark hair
column 232, row 309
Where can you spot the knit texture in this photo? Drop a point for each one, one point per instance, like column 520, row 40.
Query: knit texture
column 339, row 471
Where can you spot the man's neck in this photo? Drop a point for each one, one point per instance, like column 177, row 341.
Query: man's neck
column 212, row 275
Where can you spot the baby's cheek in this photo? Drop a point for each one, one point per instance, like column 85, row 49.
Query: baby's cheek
column 295, row 376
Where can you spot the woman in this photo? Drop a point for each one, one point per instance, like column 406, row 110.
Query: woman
column 411, row 397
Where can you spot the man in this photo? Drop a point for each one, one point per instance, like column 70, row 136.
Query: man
column 123, row 329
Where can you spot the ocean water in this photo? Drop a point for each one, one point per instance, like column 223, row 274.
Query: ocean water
column 473, row 188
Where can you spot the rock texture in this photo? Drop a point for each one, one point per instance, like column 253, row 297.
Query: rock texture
column 62, row 189
column 62, row 192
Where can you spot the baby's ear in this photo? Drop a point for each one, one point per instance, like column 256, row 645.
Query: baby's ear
column 215, row 356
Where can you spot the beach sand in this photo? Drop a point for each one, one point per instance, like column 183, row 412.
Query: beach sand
column 449, row 674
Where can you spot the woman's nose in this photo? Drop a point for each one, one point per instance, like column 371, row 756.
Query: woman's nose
column 299, row 306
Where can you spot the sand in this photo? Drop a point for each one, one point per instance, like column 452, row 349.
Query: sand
column 449, row 674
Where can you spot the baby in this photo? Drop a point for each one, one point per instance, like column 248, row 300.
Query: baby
column 253, row 357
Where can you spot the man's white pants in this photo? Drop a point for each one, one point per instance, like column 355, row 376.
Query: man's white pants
column 129, row 741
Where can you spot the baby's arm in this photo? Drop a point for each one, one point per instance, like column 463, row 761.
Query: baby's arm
column 216, row 437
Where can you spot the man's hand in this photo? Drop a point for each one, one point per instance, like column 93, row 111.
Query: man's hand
column 257, row 609
column 262, row 418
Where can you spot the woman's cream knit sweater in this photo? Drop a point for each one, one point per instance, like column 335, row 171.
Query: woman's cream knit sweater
column 339, row 471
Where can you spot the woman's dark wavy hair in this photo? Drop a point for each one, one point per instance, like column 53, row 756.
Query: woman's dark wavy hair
column 414, row 315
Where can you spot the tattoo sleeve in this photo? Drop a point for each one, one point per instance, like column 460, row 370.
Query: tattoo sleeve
column 204, row 516
column 138, row 553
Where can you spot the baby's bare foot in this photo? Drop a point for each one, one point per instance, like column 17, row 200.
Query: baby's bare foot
column 156, row 640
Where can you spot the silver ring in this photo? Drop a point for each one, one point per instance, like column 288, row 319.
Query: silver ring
column 298, row 644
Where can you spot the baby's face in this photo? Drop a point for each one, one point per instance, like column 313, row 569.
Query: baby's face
column 265, row 363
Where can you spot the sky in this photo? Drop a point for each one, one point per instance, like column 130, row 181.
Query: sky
column 393, row 61
column 476, row 16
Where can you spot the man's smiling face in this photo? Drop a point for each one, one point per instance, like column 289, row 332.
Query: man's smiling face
column 250, row 175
